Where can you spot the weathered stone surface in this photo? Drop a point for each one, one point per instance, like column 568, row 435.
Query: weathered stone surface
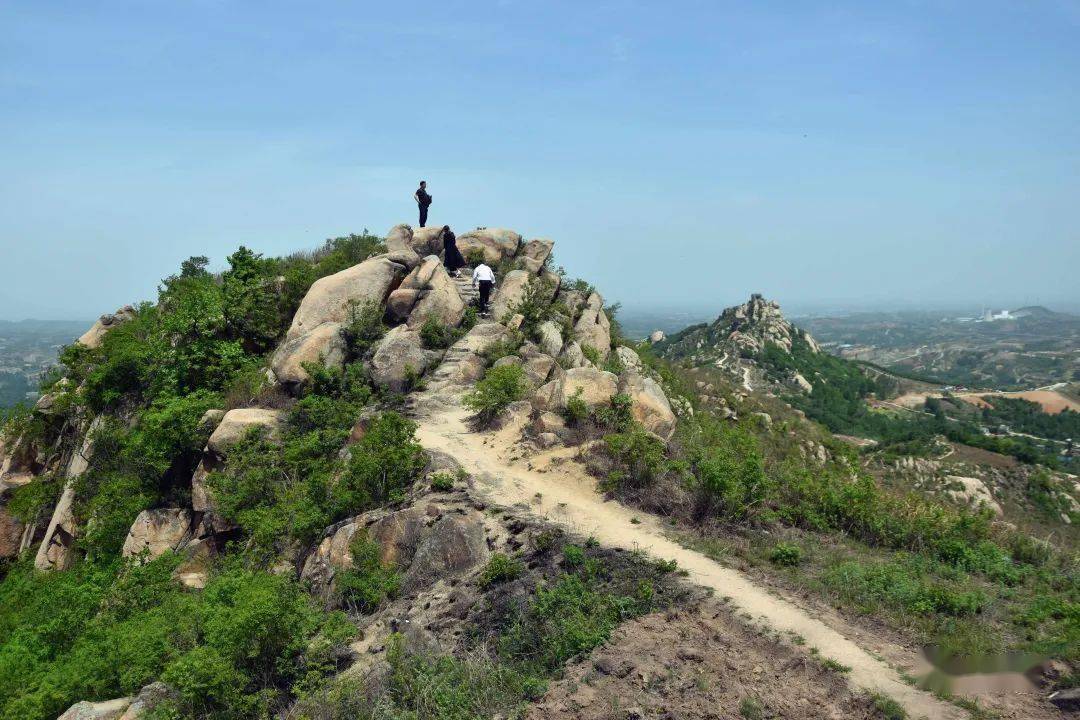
column 329, row 299
column 650, row 404
column 509, row 360
column 538, row 367
column 496, row 243
column 400, row 304
column 550, row 422
column 399, row 246
column 593, row 327
column 974, row 492
column 550, row 338
column 211, row 419
column 798, row 382
column 11, row 532
column 510, row 291
column 534, row 254
column 572, row 356
column 439, row 298
column 107, row 710
column 395, row 354
column 427, row 241
column 57, row 551
column 92, row 338
column 155, row 532
column 656, row 336
column 629, row 359
column 423, row 551
column 194, row 570
column 236, row 423
column 148, row 698
column 451, row 546
column 463, row 364
column 574, row 301
column 324, row 344
column 597, row 387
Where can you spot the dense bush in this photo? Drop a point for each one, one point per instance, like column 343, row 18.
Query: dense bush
column 499, row 387
column 370, row 581
column 99, row 632
column 536, row 305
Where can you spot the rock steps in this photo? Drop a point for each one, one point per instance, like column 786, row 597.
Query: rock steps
column 469, row 295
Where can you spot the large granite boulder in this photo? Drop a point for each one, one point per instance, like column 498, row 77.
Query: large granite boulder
column 496, row 243
column 399, row 357
column 424, row 544
column 399, row 246
column 106, row 710
column 550, row 338
column 193, row 572
column 93, row 337
column 57, row 549
column 427, row 241
column 650, row 404
column 232, row 428
column 572, row 356
column 629, row 359
column 593, row 327
column 325, row 343
column 427, row 291
column 330, row 298
column 510, row 291
column 236, row 423
column 438, row 299
column 534, row 254
column 597, row 388
column 972, row 491
column 156, row 532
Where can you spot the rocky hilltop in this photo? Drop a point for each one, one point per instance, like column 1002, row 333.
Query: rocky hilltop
column 737, row 339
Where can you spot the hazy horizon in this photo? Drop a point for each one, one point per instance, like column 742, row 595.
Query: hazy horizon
column 849, row 156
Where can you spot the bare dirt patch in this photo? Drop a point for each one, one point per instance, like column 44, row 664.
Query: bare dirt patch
column 699, row 662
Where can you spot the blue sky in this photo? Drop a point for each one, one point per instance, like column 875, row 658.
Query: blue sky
column 679, row 153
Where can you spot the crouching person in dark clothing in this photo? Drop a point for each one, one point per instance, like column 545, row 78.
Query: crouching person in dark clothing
column 485, row 278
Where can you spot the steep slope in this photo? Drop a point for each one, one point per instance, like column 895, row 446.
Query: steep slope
column 308, row 487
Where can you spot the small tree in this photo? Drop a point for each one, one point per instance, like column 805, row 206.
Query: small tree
column 492, row 395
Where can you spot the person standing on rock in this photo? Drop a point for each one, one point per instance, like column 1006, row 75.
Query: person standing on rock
column 423, row 199
column 485, row 277
column 452, row 259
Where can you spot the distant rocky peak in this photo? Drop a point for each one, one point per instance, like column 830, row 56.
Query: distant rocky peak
column 756, row 323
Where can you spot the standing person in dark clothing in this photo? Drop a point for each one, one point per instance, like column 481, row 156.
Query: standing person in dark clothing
column 452, row 259
column 423, row 199
column 485, row 276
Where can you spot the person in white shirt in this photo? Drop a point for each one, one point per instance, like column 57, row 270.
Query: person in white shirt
column 485, row 277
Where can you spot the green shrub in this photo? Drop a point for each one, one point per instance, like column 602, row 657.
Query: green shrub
column 576, row 411
column 787, row 554
column 591, row 354
column 253, row 312
column 750, row 708
column 617, row 415
column 640, row 458
column 901, row 585
column 442, row 482
column 728, row 472
column 364, row 326
column 573, row 556
column 369, row 582
column 437, row 335
column 96, row 632
column 494, row 393
column 474, row 256
column 500, row 568
column 535, row 305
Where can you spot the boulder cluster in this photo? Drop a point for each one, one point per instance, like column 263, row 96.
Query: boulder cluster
column 566, row 355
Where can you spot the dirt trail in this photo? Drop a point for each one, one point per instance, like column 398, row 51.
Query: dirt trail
column 554, row 486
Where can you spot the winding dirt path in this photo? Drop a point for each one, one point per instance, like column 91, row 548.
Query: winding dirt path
column 554, row 486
